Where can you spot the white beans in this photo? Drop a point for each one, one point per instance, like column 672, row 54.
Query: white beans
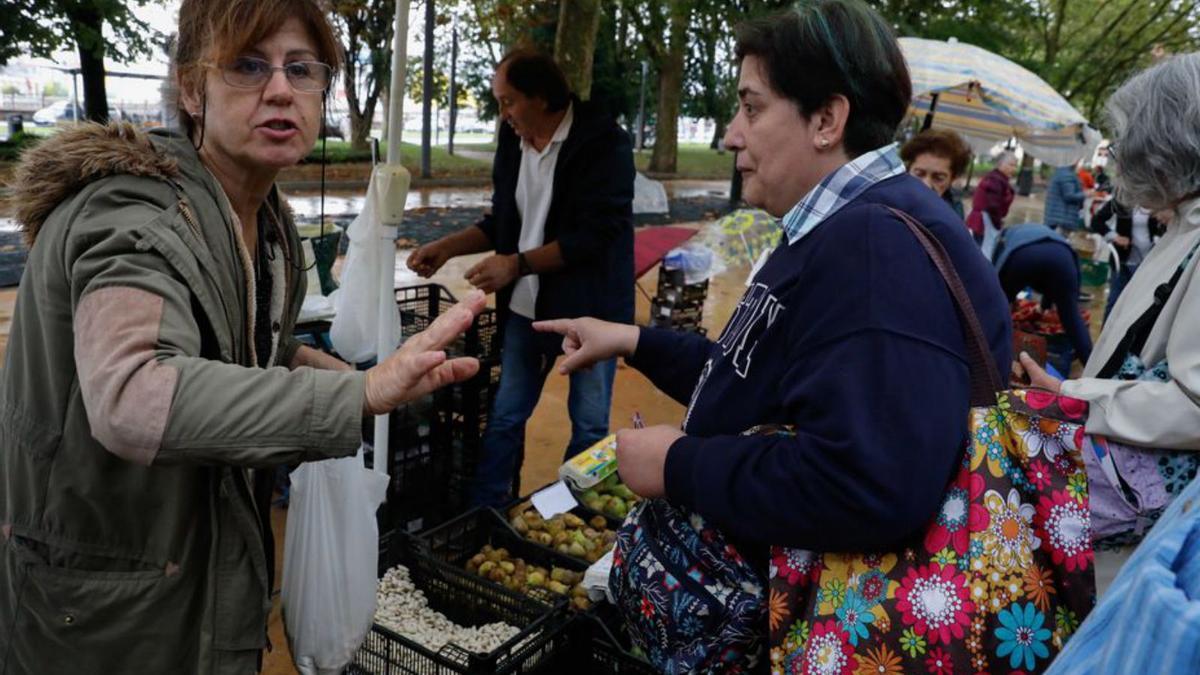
column 403, row 609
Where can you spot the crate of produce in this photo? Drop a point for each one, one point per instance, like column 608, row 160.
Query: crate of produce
column 420, row 305
column 609, row 498
column 433, row 617
column 1093, row 272
column 579, row 534
column 480, row 542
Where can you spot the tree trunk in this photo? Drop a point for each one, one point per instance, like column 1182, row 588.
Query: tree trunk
column 360, row 130
column 453, row 90
column 718, row 135
column 575, row 43
column 670, row 90
column 88, row 27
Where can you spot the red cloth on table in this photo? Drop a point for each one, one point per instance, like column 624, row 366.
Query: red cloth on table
column 652, row 243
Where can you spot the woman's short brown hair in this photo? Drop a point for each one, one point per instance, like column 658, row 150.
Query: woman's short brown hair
column 218, row 31
column 940, row 143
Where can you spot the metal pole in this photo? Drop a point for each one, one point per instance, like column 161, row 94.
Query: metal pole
column 641, row 120
column 427, row 93
column 453, row 84
column 75, row 96
column 933, row 101
column 395, row 121
column 393, row 181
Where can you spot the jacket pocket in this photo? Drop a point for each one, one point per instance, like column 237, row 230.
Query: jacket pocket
column 84, row 621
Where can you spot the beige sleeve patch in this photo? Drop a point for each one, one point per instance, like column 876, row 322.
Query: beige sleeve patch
column 126, row 391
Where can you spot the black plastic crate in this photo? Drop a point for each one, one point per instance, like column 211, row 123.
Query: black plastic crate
column 418, row 467
column 682, row 294
column 420, row 305
column 601, row 635
column 457, row 541
column 467, row 600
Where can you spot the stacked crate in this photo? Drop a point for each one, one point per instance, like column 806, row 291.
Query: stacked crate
column 678, row 305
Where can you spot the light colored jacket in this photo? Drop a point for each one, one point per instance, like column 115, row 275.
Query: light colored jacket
column 1147, row 413
column 131, row 407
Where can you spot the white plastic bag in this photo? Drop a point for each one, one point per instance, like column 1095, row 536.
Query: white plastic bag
column 330, row 562
column 991, row 237
column 649, row 196
column 698, row 262
column 354, row 329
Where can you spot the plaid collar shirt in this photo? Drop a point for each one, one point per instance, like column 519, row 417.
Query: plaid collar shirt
column 840, row 188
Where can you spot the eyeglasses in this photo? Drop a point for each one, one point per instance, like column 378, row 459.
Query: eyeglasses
column 248, row 72
column 1112, row 151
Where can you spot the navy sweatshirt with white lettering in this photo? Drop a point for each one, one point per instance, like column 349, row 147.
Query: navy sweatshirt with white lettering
column 851, row 336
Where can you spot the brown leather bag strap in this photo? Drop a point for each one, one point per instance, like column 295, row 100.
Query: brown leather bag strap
column 985, row 381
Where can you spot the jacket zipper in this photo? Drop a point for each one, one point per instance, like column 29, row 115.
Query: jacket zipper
column 186, row 211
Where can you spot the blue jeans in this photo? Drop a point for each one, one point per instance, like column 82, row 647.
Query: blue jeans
column 527, row 357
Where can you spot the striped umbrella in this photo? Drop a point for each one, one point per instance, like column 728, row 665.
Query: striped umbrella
column 988, row 99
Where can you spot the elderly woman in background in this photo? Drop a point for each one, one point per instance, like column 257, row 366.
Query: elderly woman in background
column 937, row 158
column 1143, row 378
column 993, row 196
column 152, row 364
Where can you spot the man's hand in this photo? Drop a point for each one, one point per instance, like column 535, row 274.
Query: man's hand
column 493, row 273
column 420, row 365
column 430, row 258
column 1038, row 377
column 642, row 458
column 1121, row 241
column 588, row 341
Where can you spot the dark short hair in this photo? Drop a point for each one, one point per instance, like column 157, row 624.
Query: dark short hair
column 536, row 75
column 830, row 47
column 941, row 143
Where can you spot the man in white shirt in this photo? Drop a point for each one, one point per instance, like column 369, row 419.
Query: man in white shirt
column 561, row 226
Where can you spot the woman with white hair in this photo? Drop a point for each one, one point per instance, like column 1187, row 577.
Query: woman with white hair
column 1143, row 378
column 993, row 196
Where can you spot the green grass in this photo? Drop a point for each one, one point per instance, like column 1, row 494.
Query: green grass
column 477, row 147
column 340, row 152
column 696, row 160
column 10, row 150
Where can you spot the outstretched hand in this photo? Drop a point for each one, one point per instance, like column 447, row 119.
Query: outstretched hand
column 420, row 365
column 588, row 341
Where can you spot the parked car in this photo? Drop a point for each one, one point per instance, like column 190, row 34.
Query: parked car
column 63, row 112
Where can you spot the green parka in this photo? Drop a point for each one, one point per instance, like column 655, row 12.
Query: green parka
column 132, row 412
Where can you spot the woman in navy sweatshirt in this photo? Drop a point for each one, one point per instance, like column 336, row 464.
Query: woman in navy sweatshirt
column 848, row 332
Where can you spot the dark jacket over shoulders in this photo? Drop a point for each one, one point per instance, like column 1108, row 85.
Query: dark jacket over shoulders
column 591, row 217
column 1124, row 225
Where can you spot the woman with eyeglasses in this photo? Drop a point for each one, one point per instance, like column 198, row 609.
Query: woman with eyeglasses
column 151, row 375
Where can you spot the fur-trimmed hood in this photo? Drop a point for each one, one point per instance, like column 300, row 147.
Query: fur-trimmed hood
column 63, row 164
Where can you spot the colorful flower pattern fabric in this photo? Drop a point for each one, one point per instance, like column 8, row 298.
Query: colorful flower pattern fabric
column 997, row 582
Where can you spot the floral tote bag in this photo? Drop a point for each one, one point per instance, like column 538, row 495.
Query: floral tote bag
column 1000, row 577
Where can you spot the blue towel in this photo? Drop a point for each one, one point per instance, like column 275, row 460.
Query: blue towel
column 1149, row 621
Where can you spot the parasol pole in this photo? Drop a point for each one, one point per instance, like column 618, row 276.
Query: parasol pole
column 392, row 181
